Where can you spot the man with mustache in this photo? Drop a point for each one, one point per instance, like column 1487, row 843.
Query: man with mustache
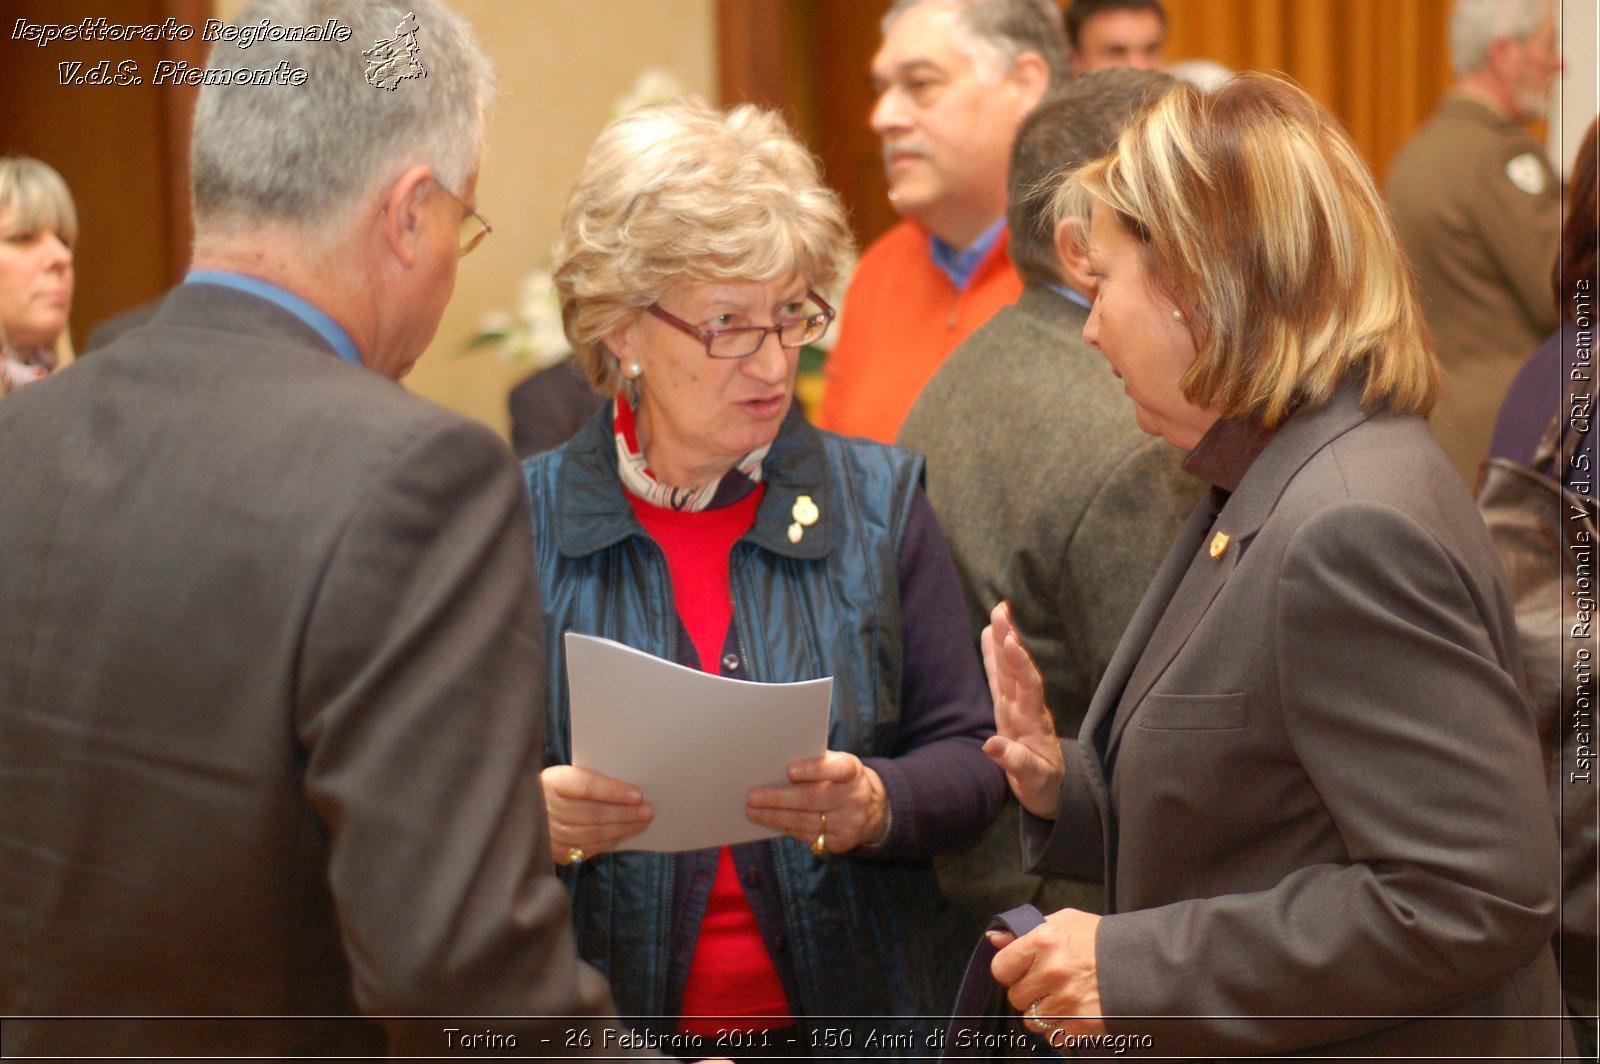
column 1479, row 213
column 954, row 80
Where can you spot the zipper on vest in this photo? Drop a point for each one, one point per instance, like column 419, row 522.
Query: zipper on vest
column 663, row 989
column 663, row 981
column 672, row 599
column 802, row 976
column 738, row 625
column 786, row 906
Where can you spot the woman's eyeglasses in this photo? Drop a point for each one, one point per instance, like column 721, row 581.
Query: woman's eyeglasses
column 741, row 341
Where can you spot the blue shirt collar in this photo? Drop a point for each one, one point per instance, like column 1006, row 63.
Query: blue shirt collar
column 1071, row 295
column 318, row 321
column 959, row 265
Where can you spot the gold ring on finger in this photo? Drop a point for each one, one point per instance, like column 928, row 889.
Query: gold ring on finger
column 820, row 847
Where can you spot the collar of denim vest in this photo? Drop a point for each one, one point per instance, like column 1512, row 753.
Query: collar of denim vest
column 595, row 513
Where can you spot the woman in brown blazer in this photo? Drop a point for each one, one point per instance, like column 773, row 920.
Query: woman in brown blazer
column 1309, row 776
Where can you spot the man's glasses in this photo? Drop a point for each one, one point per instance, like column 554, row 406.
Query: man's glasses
column 741, row 341
column 474, row 226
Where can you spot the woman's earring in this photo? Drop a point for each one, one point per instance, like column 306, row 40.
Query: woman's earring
column 632, row 369
column 1177, row 315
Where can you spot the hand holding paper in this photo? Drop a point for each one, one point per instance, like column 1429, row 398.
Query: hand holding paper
column 838, row 784
column 694, row 744
column 591, row 812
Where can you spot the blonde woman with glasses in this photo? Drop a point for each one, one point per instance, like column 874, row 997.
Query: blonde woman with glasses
column 700, row 518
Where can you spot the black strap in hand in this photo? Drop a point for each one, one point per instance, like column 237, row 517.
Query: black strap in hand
column 978, row 986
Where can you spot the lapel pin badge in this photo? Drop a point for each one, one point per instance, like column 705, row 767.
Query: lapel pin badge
column 1219, row 544
column 795, row 532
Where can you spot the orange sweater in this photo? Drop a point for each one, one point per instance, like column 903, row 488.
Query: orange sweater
column 902, row 318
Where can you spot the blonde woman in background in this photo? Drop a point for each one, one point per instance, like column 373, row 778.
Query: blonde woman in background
column 38, row 227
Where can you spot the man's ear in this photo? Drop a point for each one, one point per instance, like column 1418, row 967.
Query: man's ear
column 1031, row 76
column 1070, row 256
column 1502, row 58
column 400, row 212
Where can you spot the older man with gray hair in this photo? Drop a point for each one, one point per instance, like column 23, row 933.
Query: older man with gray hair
column 954, row 80
column 270, row 668
column 1479, row 212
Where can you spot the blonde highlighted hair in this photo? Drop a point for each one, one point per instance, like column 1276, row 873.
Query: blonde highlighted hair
column 1257, row 217
column 33, row 197
column 680, row 193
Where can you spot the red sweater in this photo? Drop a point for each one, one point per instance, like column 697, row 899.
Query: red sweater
column 731, row 974
column 901, row 319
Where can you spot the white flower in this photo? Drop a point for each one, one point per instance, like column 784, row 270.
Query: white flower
column 534, row 334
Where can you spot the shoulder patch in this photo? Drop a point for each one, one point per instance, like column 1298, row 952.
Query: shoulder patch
column 1526, row 173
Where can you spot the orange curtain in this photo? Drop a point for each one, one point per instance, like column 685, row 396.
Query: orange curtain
column 1380, row 65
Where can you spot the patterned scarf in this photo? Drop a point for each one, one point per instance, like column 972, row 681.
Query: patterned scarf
column 640, row 481
column 17, row 369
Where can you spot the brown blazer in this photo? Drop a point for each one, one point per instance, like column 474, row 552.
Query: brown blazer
column 1310, row 777
column 270, row 682
column 1478, row 210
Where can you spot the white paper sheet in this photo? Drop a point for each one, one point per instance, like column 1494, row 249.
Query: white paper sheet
column 694, row 743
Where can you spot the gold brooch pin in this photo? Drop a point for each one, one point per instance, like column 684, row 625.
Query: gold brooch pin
column 1219, row 544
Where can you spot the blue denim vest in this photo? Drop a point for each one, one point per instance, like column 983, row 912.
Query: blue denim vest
column 859, row 938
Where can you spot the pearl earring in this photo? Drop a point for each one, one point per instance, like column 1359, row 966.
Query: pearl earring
column 1177, row 315
column 632, row 369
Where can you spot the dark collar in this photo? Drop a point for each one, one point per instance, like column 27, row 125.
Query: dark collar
column 1226, row 452
column 1289, row 448
column 595, row 513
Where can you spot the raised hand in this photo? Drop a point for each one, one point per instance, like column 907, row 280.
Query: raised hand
column 1025, row 743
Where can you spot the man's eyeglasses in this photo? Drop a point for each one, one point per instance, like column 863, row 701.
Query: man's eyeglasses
column 741, row 341
column 474, row 226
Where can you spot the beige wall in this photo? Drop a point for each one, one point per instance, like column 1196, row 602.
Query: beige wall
column 562, row 65
column 1576, row 96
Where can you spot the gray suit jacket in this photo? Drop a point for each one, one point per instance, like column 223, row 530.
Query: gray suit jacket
column 1310, row 776
column 1052, row 497
column 270, row 682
